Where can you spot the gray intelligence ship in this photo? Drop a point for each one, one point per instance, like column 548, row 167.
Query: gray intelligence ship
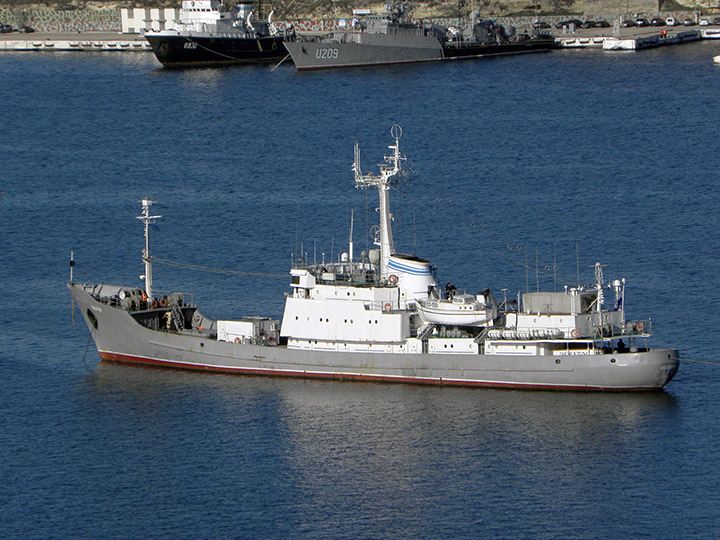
column 392, row 38
column 383, row 317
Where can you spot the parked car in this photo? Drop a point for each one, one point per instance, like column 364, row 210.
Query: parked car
column 689, row 22
column 641, row 22
column 27, row 29
column 576, row 22
column 704, row 22
column 6, row 29
column 627, row 24
column 541, row 25
column 657, row 21
column 588, row 24
column 670, row 21
column 716, row 21
column 602, row 24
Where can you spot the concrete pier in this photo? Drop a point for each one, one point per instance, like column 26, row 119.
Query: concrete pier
column 635, row 38
column 73, row 41
column 653, row 40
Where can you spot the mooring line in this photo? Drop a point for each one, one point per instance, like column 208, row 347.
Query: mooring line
column 280, row 62
column 86, row 350
column 696, row 361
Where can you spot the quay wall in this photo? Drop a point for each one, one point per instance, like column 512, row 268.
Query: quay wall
column 51, row 20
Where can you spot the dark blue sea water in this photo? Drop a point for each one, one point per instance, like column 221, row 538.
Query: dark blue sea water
column 568, row 158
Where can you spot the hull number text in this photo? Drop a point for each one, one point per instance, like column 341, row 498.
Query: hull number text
column 190, row 45
column 326, row 53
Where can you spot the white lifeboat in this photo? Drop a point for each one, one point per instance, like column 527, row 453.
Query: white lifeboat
column 462, row 310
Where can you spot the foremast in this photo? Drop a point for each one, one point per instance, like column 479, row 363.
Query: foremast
column 383, row 181
column 146, row 218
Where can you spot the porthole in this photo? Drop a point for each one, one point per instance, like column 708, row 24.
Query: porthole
column 557, row 361
column 612, row 360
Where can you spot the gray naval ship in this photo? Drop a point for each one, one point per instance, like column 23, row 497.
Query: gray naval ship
column 393, row 38
column 383, row 317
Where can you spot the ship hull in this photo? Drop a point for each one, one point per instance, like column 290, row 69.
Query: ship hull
column 453, row 52
column 120, row 338
column 385, row 50
column 180, row 50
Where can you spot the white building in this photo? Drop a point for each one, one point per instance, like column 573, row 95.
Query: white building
column 140, row 20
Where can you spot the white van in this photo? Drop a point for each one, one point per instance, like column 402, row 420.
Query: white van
column 671, row 21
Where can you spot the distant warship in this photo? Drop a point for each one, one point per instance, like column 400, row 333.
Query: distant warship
column 392, row 38
column 208, row 36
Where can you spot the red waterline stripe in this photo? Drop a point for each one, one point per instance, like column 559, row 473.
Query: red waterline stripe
column 151, row 362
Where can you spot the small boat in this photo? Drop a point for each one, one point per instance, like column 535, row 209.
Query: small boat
column 459, row 310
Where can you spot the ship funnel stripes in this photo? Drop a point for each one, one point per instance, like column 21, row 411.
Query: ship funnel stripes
column 414, row 275
column 415, row 268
